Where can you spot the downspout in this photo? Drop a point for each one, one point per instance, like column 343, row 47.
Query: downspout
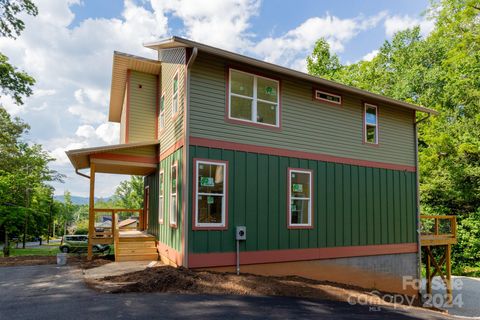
column 81, row 174
column 417, row 182
column 186, row 155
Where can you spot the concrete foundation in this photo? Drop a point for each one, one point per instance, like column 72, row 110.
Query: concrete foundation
column 379, row 272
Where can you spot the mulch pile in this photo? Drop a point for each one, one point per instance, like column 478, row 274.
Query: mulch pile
column 181, row 280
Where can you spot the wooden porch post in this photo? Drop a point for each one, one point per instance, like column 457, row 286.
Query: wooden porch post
column 91, row 211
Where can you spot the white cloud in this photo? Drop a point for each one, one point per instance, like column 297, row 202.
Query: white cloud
column 393, row 24
column 109, row 132
column 87, row 115
column 72, row 66
column 85, row 131
column 369, row 56
column 300, row 41
column 221, row 23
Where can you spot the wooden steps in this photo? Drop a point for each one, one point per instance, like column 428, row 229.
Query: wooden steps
column 136, row 248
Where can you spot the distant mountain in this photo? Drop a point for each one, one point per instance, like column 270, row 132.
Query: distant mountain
column 80, row 200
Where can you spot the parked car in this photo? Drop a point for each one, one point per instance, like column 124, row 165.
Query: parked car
column 79, row 243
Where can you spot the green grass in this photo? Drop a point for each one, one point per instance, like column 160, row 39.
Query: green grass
column 48, row 251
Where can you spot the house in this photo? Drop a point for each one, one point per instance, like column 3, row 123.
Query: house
column 323, row 176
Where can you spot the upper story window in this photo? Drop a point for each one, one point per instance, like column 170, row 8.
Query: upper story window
column 370, row 123
column 175, row 95
column 210, row 193
column 328, row 97
column 161, row 119
column 299, row 198
column 253, row 98
column 161, row 203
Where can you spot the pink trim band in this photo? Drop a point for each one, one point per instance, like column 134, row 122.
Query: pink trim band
column 201, row 260
column 204, row 142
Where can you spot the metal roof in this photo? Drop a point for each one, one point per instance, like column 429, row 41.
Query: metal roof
column 80, row 158
column 174, row 42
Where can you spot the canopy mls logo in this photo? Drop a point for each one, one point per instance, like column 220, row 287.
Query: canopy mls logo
column 437, row 300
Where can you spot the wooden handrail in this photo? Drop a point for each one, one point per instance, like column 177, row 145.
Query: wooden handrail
column 436, row 228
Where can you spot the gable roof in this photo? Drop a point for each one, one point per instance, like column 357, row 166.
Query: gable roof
column 175, row 42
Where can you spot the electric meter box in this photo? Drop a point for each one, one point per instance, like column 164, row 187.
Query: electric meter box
column 241, row 233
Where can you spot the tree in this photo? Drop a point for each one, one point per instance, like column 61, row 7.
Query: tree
column 129, row 194
column 440, row 71
column 13, row 82
column 24, row 177
column 10, row 25
column 321, row 62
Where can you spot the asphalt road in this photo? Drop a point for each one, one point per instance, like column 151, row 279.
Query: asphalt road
column 51, row 292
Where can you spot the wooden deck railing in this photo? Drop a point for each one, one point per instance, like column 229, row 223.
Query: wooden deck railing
column 109, row 234
column 438, row 230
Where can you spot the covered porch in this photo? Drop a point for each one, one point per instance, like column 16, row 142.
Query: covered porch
column 131, row 240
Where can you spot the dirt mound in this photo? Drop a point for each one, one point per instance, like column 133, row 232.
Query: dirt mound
column 181, row 280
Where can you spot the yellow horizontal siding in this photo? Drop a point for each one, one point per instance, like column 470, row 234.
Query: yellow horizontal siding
column 142, row 112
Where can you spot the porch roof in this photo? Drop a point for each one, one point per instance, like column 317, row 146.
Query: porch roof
column 132, row 158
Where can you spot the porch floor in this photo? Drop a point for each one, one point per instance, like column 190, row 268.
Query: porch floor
column 133, row 234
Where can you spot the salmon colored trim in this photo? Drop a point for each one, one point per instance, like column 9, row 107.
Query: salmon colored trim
column 125, row 157
column 173, row 225
column 174, row 147
column 201, row 260
column 204, row 142
column 127, row 112
column 170, row 253
column 246, row 122
column 289, row 209
column 364, row 136
column 157, row 102
column 194, row 195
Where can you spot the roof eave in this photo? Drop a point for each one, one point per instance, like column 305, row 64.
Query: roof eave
column 180, row 42
column 121, row 63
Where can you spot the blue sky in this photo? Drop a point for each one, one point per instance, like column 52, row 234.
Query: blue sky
column 68, row 49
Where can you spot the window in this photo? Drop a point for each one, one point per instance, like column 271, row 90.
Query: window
column 162, row 112
column 210, row 193
column 173, row 194
column 175, row 95
column 299, row 198
column 328, row 97
column 370, row 124
column 253, row 98
column 161, row 204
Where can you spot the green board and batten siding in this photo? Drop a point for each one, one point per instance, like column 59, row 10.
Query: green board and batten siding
column 307, row 125
column 352, row 205
column 164, row 232
column 142, row 112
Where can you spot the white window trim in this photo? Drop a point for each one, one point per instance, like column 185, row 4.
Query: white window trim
column 161, row 196
column 254, row 98
column 365, row 124
column 290, row 198
column 329, row 94
column 161, row 120
column 175, row 94
column 173, row 222
column 223, row 195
